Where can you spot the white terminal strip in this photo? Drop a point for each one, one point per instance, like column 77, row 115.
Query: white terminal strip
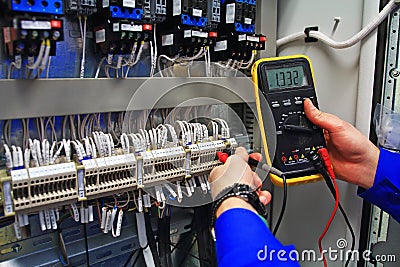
column 43, row 177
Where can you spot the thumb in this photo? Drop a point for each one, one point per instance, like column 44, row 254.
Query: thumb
column 323, row 120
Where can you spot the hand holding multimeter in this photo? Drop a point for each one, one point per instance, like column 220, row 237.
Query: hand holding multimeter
column 285, row 82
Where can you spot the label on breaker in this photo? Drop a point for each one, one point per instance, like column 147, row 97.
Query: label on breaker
column 167, row 39
column 35, row 25
column 100, row 36
column 221, row 46
column 176, row 7
column 81, row 183
column 247, row 21
column 128, row 3
column 197, row 12
column 200, row 34
column 131, row 28
column 230, row 13
column 116, row 27
column 8, row 204
column 106, row 3
column 253, row 39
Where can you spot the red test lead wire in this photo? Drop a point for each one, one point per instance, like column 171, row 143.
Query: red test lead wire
column 323, row 153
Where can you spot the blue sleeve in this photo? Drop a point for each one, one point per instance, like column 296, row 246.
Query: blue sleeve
column 243, row 239
column 385, row 192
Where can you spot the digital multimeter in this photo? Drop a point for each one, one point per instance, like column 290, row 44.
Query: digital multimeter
column 286, row 82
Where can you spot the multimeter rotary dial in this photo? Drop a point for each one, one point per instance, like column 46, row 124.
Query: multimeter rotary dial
column 297, row 123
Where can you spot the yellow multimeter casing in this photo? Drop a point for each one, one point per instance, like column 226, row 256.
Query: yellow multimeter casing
column 285, row 82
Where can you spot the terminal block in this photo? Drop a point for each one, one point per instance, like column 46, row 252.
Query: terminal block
column 109, row 175
column 202, row 156
column 163, row 164
column 44, row 187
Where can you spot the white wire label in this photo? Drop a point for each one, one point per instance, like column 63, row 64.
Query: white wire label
column 187, row 164
column 81, row 183
column 8, row 204
column 176, row 7
column 167, row 39
column 197, row 12
column 247, row 21
column 116, row 27
column 230, row 13
column 129, row 3
column 221, row 46
column 100, row 36
column 140, row 172
column 242, row 37
column 187, row 33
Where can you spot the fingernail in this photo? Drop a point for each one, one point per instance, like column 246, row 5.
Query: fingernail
column 263, row 200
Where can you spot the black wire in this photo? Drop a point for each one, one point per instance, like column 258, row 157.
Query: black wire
column 331, row 187
column 151, row 240
column 137, row 258
column 131, row 256
column 283, row 208
column 188, row 252
column 86, row 246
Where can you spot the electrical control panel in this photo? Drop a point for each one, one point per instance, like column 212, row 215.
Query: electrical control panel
column 84, row 170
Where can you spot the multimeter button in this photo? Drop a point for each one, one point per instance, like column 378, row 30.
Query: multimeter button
column 283, row 159
column 287, row 104
column 275, row 105
column 298, row 102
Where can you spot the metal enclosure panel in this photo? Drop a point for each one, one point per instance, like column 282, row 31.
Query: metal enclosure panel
column 336, row 75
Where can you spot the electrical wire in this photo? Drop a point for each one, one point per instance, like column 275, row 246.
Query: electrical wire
column 283, row 208
column 318, row 164
column 83, row 34
column 344, row 44
column 99, row 67
column 330, row 219
column 48, row 68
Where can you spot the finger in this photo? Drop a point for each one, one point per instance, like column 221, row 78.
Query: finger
column 326, row 121
column 241, row 152
column 265, row 197
column 257, row 183
column 256, row 156
column 216, row 172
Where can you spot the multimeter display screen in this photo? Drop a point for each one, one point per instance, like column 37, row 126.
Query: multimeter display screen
column 287, row 77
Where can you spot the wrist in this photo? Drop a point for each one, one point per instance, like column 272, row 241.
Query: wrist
column 232, row 203
column 367, row 179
